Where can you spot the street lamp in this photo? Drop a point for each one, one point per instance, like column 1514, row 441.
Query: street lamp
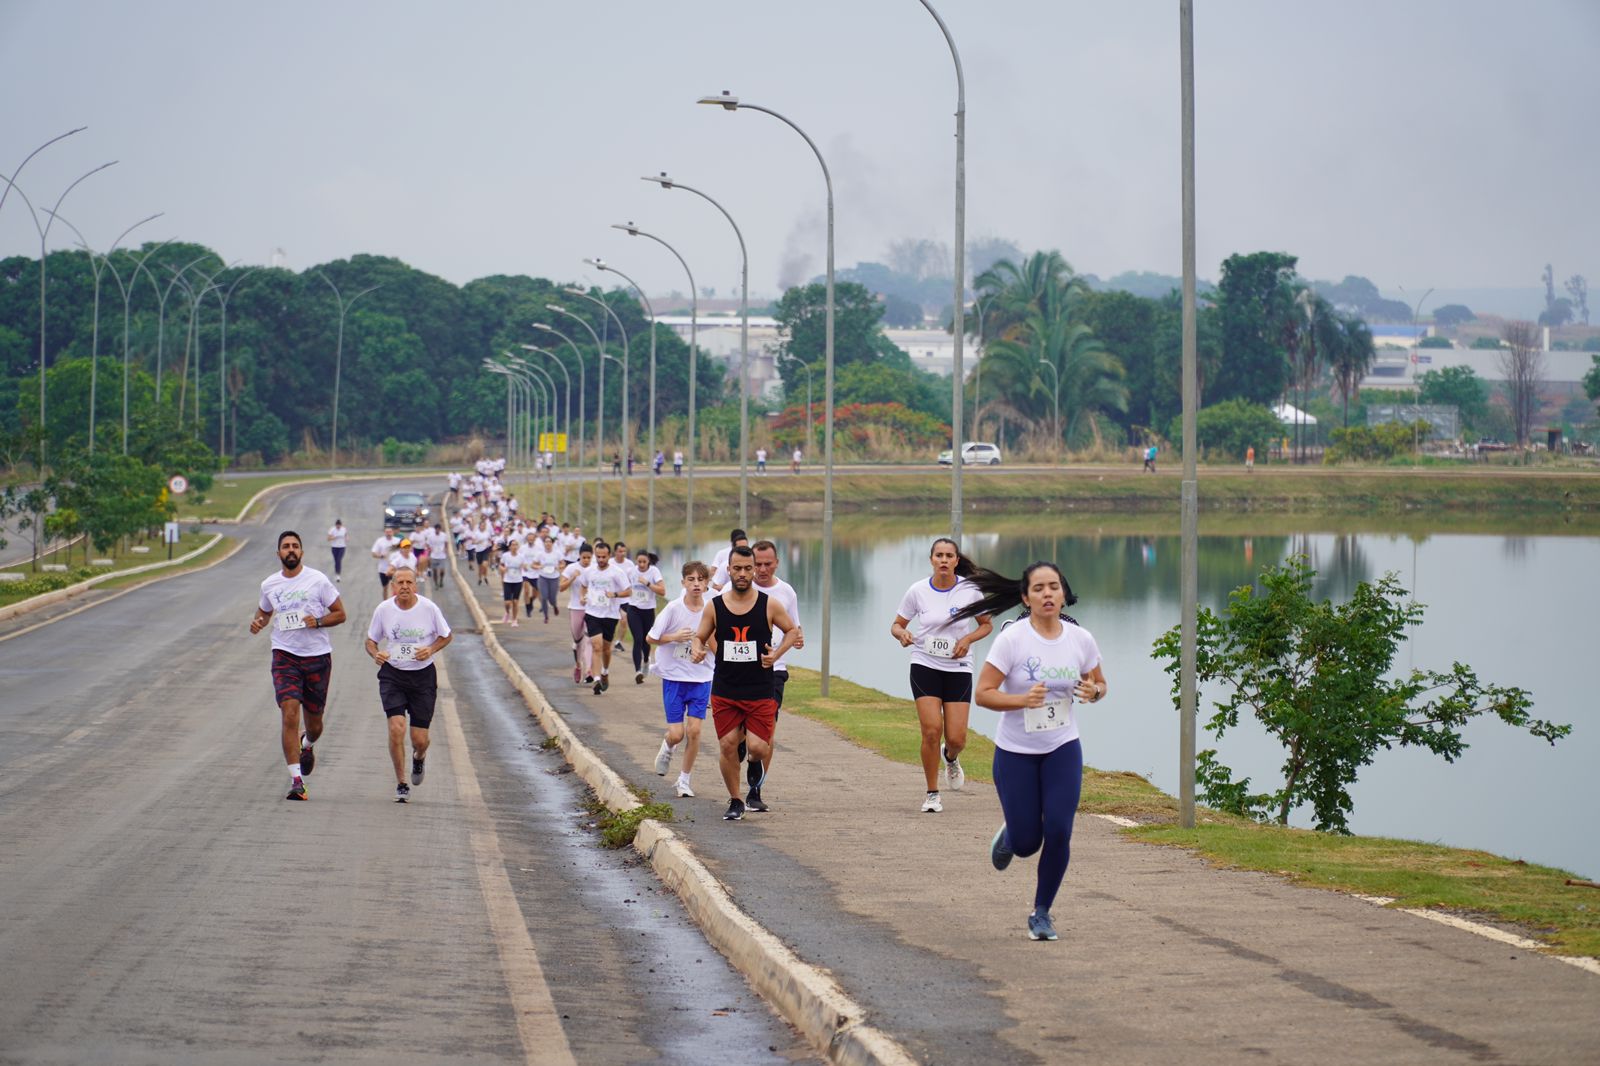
column 223, row 296
column 729, row 102
column 338, row 361
column 627, row 444
column 550, row 420
column 958, row 381
column 807, row 368
column 161, row 313
column 744, row 344
column 977, row 369
column 1056, row 417
column 516, row 386
column 600, row 416
column 566, row 425
column 197, row 295
column 127, row 300
column 583, row 390
column 546, row 398
column 694, row 366
column 650, row 510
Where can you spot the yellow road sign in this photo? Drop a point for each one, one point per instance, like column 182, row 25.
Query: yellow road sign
column 553, row 442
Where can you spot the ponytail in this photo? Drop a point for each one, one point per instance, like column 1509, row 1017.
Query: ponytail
column 1000, row 593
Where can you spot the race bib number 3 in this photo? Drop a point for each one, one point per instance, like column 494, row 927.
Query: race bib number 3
column 402, row 653
column 1053, row 715
column 940, row 647
column 284, row 621
column 739, row 651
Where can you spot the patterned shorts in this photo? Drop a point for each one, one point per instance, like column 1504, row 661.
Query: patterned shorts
column 302, row 677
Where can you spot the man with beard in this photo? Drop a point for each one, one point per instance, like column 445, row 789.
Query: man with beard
column 300, row 603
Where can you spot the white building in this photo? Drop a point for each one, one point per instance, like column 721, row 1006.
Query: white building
column 718, row 337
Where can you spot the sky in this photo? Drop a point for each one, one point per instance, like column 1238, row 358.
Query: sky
column 1447, row 144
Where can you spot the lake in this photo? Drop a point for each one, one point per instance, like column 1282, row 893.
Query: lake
column 1518, row 606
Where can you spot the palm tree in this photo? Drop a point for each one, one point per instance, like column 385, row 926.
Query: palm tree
column 1318, row 335
column 1351, row 358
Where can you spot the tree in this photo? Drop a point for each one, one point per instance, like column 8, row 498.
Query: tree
column 1523, row 366
column 1578, row 289
column 1451, row 315
column 1591, row 380
column 801, row 315
column 1435, row 342
column 1224, row 430
column 1459, row 387
column 1316, row 675
column 1492, row 344
column 899, row 311
column 1256, row 297
column 1559, row 313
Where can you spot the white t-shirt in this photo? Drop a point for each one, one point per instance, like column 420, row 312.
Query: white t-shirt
column 381, row 549
column 397, row 559
column 336, row 536
column 928, row 610
column 512, row 560
column 291, row 600
column 399, row 632
column 597, row 584
column 1027, row 659
column 672, row 660
column 797, row 455
column 575, row 594
column 761, row 455
column 643, row 595
column 784, row 593
column 548, row 560
column 677, row 458
column 437, row 542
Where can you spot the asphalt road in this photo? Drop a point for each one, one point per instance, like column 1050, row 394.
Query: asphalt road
column 160, row 902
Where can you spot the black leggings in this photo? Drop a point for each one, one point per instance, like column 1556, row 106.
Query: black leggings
column 640, row 619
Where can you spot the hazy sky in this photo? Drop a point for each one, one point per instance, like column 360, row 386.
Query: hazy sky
column 1447, row 143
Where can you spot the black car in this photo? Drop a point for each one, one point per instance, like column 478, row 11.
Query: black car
column 406, row 510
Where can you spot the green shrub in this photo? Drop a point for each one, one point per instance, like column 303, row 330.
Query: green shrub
column 39, row 584
column 1224, row 430
column 1375, row 444
column 404, row 453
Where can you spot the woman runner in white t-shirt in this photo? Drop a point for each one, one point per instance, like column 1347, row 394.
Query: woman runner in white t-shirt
column 941, row 662
column 582, row 650
column 1037, row 669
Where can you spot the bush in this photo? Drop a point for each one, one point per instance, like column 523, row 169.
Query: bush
column 1375, row 444
column 404, row 453
column 857, row 426
column 1486, row 344
column 1435, row 342
column 39, row 584
column 1224, row 430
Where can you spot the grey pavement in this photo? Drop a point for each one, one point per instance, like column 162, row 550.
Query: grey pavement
column 1162, row 957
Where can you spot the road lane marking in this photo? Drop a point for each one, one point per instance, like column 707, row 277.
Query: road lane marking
column 544, row 1042
column 1489, row 932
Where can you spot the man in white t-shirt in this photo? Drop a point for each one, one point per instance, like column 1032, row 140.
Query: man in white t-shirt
column 406, row 633
column 300, row 603
column 761, row 461
column 337, row 541
column 685, row 684
column 603, row 587
column 677, row 463
column 768, row 581
column 380, row 551
column 719, row 563
column 437, row 544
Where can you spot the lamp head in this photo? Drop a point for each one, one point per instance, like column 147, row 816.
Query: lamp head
column 597, row 263
column 573, row 290
column 629, row 228
column 531, row 347
column 727, row 101
column 557, row 308
column 663, row 181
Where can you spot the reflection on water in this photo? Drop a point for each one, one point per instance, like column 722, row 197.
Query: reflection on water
column 1518, row 608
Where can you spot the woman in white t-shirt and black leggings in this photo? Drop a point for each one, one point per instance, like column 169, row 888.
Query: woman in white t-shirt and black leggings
column 941, row 662
column 1036, row 670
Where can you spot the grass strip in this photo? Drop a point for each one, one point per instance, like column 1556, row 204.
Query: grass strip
column 50, row 581
column 1476, row 884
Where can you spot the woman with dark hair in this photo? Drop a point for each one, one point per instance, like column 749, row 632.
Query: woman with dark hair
column 941, row 662
column 1035, row 672
column 647, row 584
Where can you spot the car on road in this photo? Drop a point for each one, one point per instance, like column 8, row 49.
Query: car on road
column 406, row 510
column 974, row 452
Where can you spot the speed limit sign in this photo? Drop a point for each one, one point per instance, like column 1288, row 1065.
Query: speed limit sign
column 179, row 484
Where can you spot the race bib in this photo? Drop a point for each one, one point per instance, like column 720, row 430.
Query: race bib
column 402, row 653
column 597, row 598
column 739, row 651
column 284, row 621
column 940, row 647
column 1053, row 715
column 684, row 651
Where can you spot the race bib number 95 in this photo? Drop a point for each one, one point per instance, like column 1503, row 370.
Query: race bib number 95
column 402, row 653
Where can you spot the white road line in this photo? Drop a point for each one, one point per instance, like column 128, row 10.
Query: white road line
column 544, row 1043
column 1117, row 819
column 1489, row 932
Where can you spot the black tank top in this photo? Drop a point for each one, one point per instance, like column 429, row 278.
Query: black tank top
column 741, row 640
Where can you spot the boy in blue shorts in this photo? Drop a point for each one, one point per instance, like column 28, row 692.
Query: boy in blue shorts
column 685, row 684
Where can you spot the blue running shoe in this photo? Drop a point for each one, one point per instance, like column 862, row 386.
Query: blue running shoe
column 1000, row 852
column 1040, row 926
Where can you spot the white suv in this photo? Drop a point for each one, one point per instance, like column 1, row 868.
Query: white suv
column 974, row 452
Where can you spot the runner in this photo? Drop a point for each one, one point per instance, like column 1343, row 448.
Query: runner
column 603, row 586
column 659, row 461
column 413, row 632
column 380, row 551
column 1035, row 671
column 547, row 561
column 761, row 460
column 624, row 562
column 582, row 650
column 739, row 627
column 480, row 542
column 645, row 585
column 765, row 554
column 677, row 463
column 336, row 541
column 794, row 465
column 454, row 483
column 685, row 684
column 530, row 572
column 300, row 603
column 737, row 538
column 510, row 567
column 438, row 545
column 941, row 663
column 401, row 556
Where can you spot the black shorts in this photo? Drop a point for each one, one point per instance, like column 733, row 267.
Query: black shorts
column 510, row 590
column 383, row 578
column 779, row 679
column 301, row 677
column 946, row 686
column 410, row 692
column 600, row 627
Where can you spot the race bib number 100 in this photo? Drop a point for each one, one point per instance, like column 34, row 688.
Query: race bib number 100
column 1052, row 715
column 739, row 651
column 284, row 621
column 940, row 647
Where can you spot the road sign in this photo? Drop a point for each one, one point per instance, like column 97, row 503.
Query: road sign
column 171, row 532
column 178, row 484
column 553, row 442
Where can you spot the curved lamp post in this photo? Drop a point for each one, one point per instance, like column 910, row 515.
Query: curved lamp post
column 516, row 388
column 600, row 416
column 566, row 424
column 161, row 311
column 1056, row 417
column 550, row 421
column 694, row 365
column 583, row 391
column 127, row 301
column 338, row 361
column 744, row 344
column 223, row 296
column 541, row 410
column 627, row 443
column 650, row 509
column 729, row 102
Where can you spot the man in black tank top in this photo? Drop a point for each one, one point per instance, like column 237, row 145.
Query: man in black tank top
column 738, row 631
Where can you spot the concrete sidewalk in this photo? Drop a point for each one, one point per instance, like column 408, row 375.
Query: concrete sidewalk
column 1162, row 957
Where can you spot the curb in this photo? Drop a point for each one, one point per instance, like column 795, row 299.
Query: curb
column 252, row 501
column 805, row 995
column 47, row 599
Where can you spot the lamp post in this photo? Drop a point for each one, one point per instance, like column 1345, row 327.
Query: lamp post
column 338, row 361
column 650, row 509
column 161, row 311
column 694, row 366
column 600, row 415
column 127, row 299
column 977, row 369
column 1189, row 573
column 566, row 425
column 732, row 103
column 627, row 444
column 807, row 368
column 197, row 295
column 549, row 418
column 1056, row 406
column 223, row 296
column 515, row 386
column 583, row 390
column 744, row 344
column 958, row 381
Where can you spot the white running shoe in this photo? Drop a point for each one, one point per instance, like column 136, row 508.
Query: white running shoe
column 683, row 789
column 955, row 776
column 663, row 760
column 931, row 805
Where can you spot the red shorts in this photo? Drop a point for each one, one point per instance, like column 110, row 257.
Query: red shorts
column 759, row 717
column 301, row 677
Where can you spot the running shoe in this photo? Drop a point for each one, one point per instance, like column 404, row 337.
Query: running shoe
column 663, row 760
column 308, row 758
column 754, row 802
column 931, row 805
column 955, row 776
column 1040, row 927
column 605, row 682
column 402, row 792
column 599, row 686
column 617, row 646
column 514, row 623
column 297, row 791
column 735, row 810
column 588, row 679
column 1000, row 852
column 417, row 770
column 638, row 677
column 683, row 789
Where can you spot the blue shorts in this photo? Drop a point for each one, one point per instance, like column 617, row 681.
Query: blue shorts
column 681, row 697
